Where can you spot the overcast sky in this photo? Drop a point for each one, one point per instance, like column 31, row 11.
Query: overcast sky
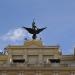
column 57, row 15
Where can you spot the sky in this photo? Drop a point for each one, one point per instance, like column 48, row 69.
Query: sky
column 57, row 15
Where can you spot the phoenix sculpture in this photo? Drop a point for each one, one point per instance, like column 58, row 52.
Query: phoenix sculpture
column 34, row 30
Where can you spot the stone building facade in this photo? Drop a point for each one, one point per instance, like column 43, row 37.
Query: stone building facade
column 34, row 58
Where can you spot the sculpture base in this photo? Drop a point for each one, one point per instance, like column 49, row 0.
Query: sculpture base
column 29, row 43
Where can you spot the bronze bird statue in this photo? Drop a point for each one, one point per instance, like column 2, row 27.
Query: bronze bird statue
column 34, row 30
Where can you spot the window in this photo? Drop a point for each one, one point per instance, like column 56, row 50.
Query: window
column 46, row 58
column 18, row 59
column 54, row 60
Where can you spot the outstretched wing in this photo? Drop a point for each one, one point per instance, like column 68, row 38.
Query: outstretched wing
column 30, row 30
column 39, row 30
